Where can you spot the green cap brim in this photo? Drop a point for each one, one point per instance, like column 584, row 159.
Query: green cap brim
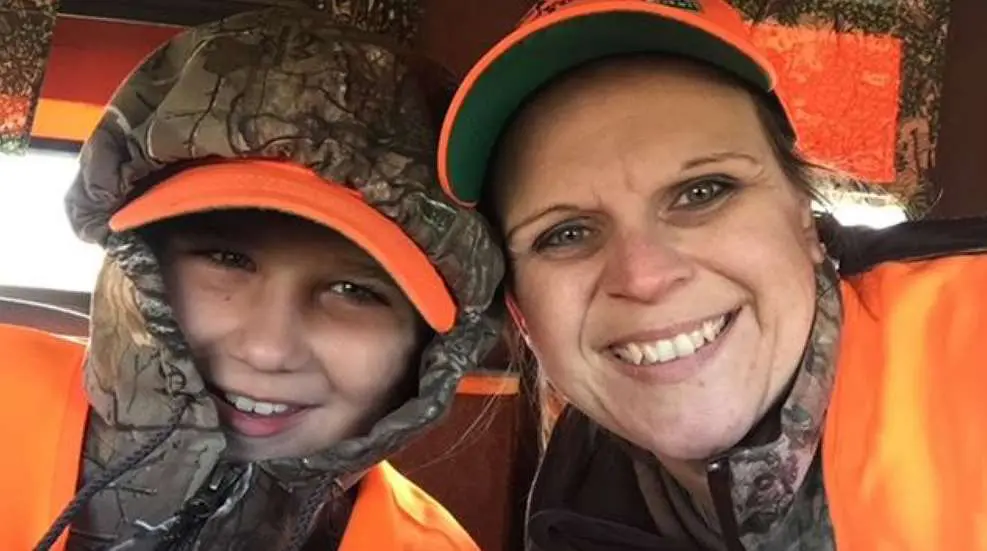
column 519, row 72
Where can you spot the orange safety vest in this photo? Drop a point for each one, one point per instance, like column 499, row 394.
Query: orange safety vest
column 905, row 441
column 43, row 413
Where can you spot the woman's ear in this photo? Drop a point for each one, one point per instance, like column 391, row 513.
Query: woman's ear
column 518, row 317
column 810, row 235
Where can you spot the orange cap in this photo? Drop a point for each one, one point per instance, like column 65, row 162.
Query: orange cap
column 558, row 35
column 299, row 191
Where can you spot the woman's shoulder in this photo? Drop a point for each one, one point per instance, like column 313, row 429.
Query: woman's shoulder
column 937, row 263
column 859, row 250
column 910, row 384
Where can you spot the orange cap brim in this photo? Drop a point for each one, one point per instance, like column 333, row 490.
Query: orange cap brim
column 296, row 190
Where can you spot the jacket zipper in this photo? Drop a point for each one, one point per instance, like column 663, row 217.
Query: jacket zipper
column 196, row 512
column 719, row 478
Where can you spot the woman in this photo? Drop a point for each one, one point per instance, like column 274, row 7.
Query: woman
column 729, row 388
column 287, row 301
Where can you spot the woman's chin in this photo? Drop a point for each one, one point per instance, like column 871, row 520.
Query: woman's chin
column 693, row 441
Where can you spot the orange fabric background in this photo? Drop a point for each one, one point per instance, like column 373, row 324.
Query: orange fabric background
column 842, row 90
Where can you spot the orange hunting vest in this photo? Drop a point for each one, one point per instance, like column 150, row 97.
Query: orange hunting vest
column 42, row 419
column 905, row 441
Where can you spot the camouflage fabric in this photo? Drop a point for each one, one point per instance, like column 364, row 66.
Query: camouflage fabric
column 283, row 84
column 778, row 496
column 25, row 39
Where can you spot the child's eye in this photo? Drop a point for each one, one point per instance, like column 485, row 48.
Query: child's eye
column 229, row 259
column 356, row 292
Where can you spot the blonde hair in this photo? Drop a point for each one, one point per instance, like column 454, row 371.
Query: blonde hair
column 116, row 322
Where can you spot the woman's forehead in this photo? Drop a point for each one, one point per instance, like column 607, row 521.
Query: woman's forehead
column 648, row 117
column 627, row 91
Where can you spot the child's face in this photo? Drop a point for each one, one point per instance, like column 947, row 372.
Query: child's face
column 302, row 337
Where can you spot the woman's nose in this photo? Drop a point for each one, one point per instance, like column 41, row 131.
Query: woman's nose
column 643, row 268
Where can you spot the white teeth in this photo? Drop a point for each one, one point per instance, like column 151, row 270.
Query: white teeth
column 651, row 353
column 242, row 403
column 697, row 339
column 248, row 405
column 666, row 351
column 684, row 346
column 679, row 346
column 631, row 353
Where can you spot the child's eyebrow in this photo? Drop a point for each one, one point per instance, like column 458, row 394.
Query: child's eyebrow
column 366, row 267
column 218, row 228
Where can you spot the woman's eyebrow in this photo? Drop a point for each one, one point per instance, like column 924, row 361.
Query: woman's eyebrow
column 560, row 207
column 718, row 158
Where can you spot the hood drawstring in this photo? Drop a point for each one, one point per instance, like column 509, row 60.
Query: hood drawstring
column 314, row 503
column 107, row 477
column 300, row 532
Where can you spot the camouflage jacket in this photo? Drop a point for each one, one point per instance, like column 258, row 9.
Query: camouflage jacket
column 597, row 492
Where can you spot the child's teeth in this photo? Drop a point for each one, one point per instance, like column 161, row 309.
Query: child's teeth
column 249, row 405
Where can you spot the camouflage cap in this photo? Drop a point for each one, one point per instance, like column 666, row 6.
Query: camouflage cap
column 296, row 86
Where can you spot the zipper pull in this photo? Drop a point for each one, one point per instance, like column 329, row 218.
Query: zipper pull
column 192, row 518
column 720, row 481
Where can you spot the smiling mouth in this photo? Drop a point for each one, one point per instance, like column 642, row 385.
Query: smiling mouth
column 256, row 407
column 251, row 406
column 682, row 345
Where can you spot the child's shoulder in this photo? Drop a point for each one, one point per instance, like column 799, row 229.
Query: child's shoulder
column 24, row 350
column 38, row 369
column 391, row 512
column 43, row 409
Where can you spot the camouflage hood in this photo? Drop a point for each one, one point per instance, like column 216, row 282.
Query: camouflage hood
column 302, row 86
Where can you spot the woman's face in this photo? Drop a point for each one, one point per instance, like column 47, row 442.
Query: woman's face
column 662, row 261
column 302, row 337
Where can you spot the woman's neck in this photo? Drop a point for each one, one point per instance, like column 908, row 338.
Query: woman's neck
column 691, row 476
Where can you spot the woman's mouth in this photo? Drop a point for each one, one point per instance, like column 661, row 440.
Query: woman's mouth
column 678, row 346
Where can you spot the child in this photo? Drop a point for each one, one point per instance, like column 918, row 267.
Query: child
column 287, row 300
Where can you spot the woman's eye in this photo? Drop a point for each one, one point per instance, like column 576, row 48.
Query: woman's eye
column 229, row 259
column 700, row 194
column 562, row 236
column 358, row 293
